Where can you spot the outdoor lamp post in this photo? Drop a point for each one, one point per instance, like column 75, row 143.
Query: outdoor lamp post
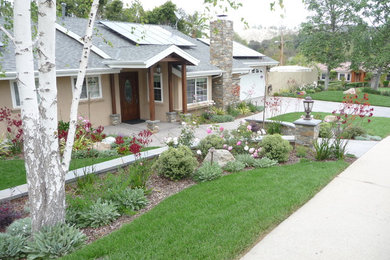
column 308, row 106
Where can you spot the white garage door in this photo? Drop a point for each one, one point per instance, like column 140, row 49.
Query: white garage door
column 252, row 85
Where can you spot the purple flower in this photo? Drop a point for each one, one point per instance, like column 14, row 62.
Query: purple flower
column 239, row 143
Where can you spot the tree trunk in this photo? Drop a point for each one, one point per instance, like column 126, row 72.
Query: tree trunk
column 376, row 78
column 53, row 187
column 327, row 75
column 79, row 84
column 29, row 108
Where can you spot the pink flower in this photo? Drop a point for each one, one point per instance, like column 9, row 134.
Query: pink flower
column 230, row 148
column 251, row 150
column 221, row 129
column 209, row 130
column 239, row 143
column 255, row 155
column 249, row 127
column 225, row 146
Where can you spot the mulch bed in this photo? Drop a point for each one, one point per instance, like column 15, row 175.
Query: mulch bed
column 161, row 189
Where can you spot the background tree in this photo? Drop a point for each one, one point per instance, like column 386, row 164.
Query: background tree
column 371, row 39
column 324, row 36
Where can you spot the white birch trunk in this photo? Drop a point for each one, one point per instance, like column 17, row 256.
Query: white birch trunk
column 376, row 78
column 327, row 75
column 53, row 187
column 79, row 84
column 29, row 107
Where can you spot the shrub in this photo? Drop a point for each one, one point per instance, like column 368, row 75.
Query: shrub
column 231, row 110
column 352, row 131
column 12, row 246
column 221, row 118
column 99, row 214
column 323, row 150
column 234, row 166
column 217, row 111
column 20, row 227
column 243, row 108
column 132, row 199
column 7, row 214
column 55, row 241
column 371, row 91
column 301, row 151
column 139, row 174
column 325, row 130
column 246, row 159
column 208, row 172
column 274, row 128
column 210, row 141
column 386, row 83
column 264, row 163
column 176, row 163
column 276, row 148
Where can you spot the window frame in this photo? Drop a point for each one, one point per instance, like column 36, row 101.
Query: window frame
column 207, row 90
column 161, row 87
column 13, row 94
column 86, row 85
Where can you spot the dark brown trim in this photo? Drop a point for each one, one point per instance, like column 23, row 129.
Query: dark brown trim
column 151, row 94
column 184, row 86
column 170, row 87
column 113, row 98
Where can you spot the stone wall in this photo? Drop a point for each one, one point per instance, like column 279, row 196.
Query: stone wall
column 306, row 131
column 221, row 55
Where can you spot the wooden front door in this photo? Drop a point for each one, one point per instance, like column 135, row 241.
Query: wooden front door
column 129, row 96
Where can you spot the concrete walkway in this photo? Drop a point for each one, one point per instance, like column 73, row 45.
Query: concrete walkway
column 348, row 219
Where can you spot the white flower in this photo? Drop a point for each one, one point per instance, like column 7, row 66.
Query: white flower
column 183, row 123
column 199, row 152
column 246, row 148
column 251, row 150
column 175, row 140
column 168, row 140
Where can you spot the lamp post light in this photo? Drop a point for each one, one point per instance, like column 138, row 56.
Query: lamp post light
column 308, row 106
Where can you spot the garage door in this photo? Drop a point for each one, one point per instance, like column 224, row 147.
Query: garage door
column 252, row 85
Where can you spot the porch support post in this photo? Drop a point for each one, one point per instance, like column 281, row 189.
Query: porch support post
column 170, row 87
column 184, row 87
column 112, row 86
column 151, row 95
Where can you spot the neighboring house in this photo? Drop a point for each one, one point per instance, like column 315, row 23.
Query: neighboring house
column 141, row 72
column 286, row 78
column 344, row 71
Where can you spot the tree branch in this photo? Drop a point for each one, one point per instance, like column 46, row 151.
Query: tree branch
column 8, row 34
column 79, row 85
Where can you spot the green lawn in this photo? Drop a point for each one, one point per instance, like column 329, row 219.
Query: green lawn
column 379, row 126
column 13, row 173
column 220, row 219
column 337, row 96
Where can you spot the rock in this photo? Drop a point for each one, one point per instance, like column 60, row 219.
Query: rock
column 330, row 119
column 351, row 91
column 108, row 140
column 221, row 156
column 99, row 146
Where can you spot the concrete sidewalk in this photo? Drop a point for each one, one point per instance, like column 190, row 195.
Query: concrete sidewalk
column 348, row 219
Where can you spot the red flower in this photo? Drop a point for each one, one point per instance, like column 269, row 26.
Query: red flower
column 119, row 140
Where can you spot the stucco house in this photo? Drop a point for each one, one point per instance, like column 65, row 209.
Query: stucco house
column 344, row 71
column 142, row 72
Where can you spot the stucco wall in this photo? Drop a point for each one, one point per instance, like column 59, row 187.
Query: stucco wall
column 284, row 80
column 98, row 111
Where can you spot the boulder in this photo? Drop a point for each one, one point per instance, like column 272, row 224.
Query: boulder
column 108, row 140
column 351, row 91
column 99, row 146
column 330, row 119
column 221, row 156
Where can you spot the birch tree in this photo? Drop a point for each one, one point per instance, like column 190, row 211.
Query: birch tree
column 45, row 167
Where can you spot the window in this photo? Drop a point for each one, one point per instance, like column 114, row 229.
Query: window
column 341, row 76
column 323, row 75
column 93, row 84
column 196, row 90
column 15, row 93
column 348, row 77
column 158, row 87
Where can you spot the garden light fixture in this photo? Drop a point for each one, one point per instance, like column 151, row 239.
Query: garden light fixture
column 308, row 106
column 158, row 69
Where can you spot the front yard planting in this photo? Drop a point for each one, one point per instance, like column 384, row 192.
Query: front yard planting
column 379, row 126
column 218, row 219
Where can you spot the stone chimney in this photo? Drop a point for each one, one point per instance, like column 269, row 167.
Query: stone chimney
column 221, row 55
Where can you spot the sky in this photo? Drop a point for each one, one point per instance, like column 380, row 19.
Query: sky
column 255, row 12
